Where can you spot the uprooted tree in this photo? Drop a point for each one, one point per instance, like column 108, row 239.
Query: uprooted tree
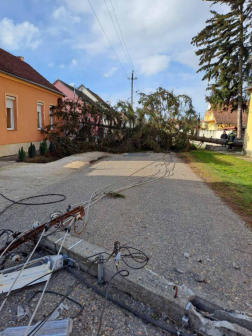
column 161, row 123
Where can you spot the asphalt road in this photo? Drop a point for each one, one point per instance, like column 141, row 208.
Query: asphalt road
column 190, row 235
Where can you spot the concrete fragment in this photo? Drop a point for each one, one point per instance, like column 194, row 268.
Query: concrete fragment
column 221, row 328
column 238, row 318
column 187, row 255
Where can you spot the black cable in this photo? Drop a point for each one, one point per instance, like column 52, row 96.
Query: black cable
column 60, row 294
column 126, row 307
column 70, row 289
column 106, row 297
column 20, row 202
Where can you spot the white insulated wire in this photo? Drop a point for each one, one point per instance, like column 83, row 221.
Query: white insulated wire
column 13, row 284
column 139, row 182
column 42, row 294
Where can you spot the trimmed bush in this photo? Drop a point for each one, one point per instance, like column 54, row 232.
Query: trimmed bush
column 43, row 147
column 31, row 151
column 51, row 147
column 21, row 154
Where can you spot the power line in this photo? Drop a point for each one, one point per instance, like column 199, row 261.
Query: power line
column 107, row 37
column 122, row 35
column 118, row 35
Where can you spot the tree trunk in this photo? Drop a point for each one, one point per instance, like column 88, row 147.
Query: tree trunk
column 240, row 101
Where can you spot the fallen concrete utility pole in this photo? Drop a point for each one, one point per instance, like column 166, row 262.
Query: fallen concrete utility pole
column 206, row 315
column 77, row 212
column 237, row 143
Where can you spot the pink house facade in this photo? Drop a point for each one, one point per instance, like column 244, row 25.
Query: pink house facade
column 73, row 94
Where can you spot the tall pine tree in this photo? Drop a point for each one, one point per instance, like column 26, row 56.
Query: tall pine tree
column 225, row 48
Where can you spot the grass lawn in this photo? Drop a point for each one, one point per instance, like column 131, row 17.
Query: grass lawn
column 228, row 176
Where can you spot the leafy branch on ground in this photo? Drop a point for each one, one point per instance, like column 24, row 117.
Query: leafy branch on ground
column 115, row 195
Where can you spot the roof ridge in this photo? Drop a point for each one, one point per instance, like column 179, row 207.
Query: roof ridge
column 14, row 66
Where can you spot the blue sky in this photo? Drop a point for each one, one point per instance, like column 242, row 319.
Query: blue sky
column 62, row 39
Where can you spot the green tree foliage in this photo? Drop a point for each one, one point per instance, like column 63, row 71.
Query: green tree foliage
column 172, row 117
column 43, row 147
column 224, row 47
column 161, row 123
column 31, row 151
column 21, row 154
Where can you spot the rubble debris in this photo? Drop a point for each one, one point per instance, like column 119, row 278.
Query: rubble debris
column 178, row 270
column 236, row 266
column 187, row 255
column 198, row 277
column 56, row 313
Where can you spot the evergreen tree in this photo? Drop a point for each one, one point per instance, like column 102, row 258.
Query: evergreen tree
column 43, row 147
column 31, row 151
column 225, row 56
column 21, row 154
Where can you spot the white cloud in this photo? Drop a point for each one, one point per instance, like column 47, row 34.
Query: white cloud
column 62, row 66
column 63, row 15
column 187, row 57
column 73, row 63
column 51, row 65
column 21, row 35
column 110, row 72
column 78, row 6
column 158, row 32
column 153, row 64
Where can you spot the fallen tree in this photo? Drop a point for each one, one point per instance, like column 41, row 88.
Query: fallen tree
column 161, row 123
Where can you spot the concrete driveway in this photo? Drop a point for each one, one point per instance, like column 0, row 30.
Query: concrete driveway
column 190, row 235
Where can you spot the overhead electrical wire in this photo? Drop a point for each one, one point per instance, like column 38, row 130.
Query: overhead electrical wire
column 127, row 57
column 122, row 35
column 107, row 37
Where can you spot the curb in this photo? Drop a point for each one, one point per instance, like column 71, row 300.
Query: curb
column 206, row 316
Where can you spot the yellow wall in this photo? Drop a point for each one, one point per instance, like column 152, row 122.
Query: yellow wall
column 248, row 136
column 27, row 95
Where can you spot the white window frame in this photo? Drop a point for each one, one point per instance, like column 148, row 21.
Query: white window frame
column 39, row 118
column 51, row 116
column 12, row 112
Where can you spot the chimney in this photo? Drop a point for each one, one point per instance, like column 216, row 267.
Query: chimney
column 21, row 57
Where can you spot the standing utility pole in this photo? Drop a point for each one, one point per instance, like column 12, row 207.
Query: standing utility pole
column 132, row 80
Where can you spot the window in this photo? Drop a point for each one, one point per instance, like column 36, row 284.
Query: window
column 39, row 115
column 10, row 112
column 51, row 116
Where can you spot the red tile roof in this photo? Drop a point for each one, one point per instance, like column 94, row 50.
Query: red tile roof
column 13, row 65
column 227, row 117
